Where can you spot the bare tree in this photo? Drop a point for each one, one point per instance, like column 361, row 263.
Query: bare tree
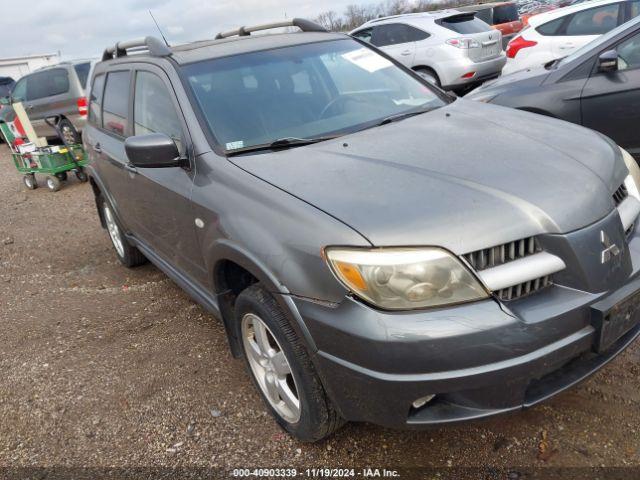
column 331, row 21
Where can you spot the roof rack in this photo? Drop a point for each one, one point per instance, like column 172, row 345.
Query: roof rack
column 301, row 23
column 153, row 45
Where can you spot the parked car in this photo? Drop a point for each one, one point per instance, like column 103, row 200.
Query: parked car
column 56, row 92
column 502, row 16
column 377, row 250
column 597, row 86
column 448, row 48
column 557, row 33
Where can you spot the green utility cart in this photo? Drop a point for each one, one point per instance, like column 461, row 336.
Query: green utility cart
column 54, row 162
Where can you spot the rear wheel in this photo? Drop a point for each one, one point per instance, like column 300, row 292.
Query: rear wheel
column 30, row 181
column 281, row 368
column 68, row 132
column 53, row 183
column 429, row 75
column 128, row 255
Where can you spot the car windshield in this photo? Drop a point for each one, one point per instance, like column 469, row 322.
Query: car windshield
column 597, row 42
column 310, row 91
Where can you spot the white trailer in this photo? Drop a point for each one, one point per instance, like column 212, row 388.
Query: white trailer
column 16, row 67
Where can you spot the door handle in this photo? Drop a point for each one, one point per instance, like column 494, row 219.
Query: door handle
column 29, row 107
column 130, row 168
column 96, row 148
column 405, row 52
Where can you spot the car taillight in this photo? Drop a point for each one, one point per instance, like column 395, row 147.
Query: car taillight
column 518, row 44
column 82, row 105
column 465, row 43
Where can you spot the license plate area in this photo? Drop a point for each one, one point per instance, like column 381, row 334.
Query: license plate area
column 612, row 323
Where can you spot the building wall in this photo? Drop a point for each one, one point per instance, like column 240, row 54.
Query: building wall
column 17, row 67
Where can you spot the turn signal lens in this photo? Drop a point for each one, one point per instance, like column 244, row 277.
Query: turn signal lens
column 404, row 278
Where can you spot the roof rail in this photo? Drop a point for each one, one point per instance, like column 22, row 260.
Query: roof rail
column 301, row 23
column 153, row 45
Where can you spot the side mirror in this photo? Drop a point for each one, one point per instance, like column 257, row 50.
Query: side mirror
column 608, row 61
column 155, row 150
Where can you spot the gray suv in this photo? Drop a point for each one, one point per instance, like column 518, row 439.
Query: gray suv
column 377, row 250
column 55, row 99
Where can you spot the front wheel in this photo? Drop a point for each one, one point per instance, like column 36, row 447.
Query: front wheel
column 128, row 255
column 281, row 368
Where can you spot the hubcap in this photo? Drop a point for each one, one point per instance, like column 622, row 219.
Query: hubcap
column 114, row 231
column 270, row 367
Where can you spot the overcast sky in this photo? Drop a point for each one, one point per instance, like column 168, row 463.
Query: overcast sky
column 83, row 28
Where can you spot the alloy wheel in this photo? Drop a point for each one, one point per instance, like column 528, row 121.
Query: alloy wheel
column 114, row 231
column 270, row 367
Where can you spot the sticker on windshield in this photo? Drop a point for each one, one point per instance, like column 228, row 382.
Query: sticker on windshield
column 235, row 145
column 367, row 60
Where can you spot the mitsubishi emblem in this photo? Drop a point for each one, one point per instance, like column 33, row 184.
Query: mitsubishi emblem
column 610, row 249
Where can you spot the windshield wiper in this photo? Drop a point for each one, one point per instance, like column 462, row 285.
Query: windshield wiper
column 281, row 143
column 401, row 116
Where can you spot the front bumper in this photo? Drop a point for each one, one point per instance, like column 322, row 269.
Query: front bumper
column 480, row 359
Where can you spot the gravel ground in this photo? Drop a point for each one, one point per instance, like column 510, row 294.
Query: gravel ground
column 102, row 366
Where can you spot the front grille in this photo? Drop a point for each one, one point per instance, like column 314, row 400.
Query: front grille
column 501, row 254
column 524, row 289
column 505, row 253
column 620, row 194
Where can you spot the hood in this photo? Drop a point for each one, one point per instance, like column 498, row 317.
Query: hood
column 464, row 177
column 529, row 77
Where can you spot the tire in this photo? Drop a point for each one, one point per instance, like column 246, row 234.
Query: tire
column 81, row 175
column 128, row 255
column 62, row 176
column 68, row 132
column 30, row 181
column 316, row 418
column 429, row 75
column 53, row 183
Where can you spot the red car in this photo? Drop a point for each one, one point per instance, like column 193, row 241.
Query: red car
column 502, row 16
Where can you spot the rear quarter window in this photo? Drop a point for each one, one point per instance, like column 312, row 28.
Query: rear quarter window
column 82, row 70
column 505, row 14
column 464, row 24
column 115, row 103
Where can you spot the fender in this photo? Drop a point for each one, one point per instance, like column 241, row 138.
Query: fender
column 225, row 250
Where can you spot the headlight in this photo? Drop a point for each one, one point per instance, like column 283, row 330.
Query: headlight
column 404, row 278
column 632, row 182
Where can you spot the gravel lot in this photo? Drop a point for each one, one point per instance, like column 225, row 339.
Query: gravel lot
column 107, row 367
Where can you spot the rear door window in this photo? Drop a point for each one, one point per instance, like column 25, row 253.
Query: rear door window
column 395, row 34
column 634, row 9
column 551, row 28
column 505, row 13
column 95, row 100
column 594, row 21
column 464, row 24
column 47, row 84
column 154, row 111
column 82, row 70
column 115, row 104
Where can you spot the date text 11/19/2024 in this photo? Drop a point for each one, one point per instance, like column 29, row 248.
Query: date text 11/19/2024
column 366, row 472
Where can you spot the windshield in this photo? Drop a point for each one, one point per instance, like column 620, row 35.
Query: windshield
column 597, row 42
column 305, row 92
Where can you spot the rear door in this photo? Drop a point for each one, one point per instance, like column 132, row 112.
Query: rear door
column 611, row 101
column 586, row 25
column 397, row 40
column 47, row 95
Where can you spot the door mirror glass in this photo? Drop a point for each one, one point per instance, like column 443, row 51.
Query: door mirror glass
column 155, row 150
column 608, row 61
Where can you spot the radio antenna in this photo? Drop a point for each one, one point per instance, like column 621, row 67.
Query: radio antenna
column 158, row 26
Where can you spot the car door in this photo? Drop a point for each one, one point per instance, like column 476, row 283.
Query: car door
column 396, row 40
column 611, row 100
column 47, row 95
column 586, row 25
column 160, row 198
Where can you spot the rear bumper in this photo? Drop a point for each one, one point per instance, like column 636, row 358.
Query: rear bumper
column 452, row 76
column 481, row 359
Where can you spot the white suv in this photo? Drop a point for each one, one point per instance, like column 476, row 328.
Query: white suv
column 557, row 33
column 449, row 48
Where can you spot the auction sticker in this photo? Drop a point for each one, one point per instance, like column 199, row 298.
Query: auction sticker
column 367, row 60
